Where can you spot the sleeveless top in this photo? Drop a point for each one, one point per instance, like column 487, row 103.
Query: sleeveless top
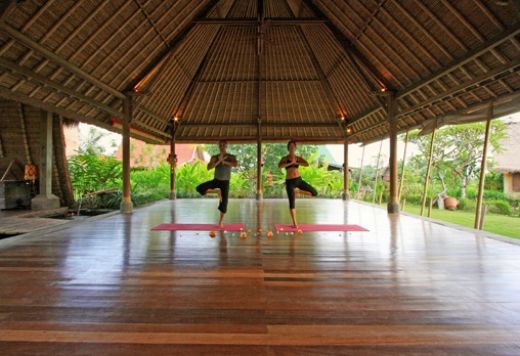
column 222, row 171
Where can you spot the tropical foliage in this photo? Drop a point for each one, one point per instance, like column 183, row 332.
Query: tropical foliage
column 454, row 172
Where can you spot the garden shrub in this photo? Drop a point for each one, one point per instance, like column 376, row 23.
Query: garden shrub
column 501, row 207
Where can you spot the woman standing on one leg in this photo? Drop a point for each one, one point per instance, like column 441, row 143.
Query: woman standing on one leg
column 293, row 179
column 220, row 183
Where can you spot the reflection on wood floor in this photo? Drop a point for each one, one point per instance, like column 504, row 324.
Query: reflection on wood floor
column 112, row 286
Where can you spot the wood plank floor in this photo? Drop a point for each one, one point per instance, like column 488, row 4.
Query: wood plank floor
column 113, row 287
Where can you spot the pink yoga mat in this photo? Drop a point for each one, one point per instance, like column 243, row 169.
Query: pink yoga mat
column 198, row 227
column 314, row 227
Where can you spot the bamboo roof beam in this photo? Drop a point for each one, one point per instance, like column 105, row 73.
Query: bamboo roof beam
column 489, row 15
column 88, row 41
column 5, row 7
column 393, row 51
column 168, row 51
column 67, row 40
column 121, row 58
column 348, row 46
column 27, row 73
column 267, row 22
column 411, row 54
column 26, row 41
column 423, row 30
column 470, row 109
column 470, row 56
column 27, row 25
column 329, row 92
column 189, row 92
column 55, row 26
column 265, row 124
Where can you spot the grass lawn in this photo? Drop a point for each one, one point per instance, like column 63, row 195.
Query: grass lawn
column 498, row 224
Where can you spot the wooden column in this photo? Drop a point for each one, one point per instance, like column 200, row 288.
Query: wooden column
column 428, row 168
column 173, row 160
column 478, row 211
column 346, row 182
column 45, row 199
column 360, row 171
column 393, row 201
column 173, row 166
column 126, row 203
column 377, row 173
column 259, row 185
column 401, row 181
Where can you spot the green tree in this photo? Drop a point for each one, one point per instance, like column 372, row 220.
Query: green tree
column 457, row 152
column 91, row 145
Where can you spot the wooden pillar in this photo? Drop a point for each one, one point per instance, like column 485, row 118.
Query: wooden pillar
column 173, row 166
column 126, row 203
column 259, row 185
column 360, row 171
column 428, row 168
column 482, row 178
column 377, row 173
column 401, row 181
column 393, row 201
column 346, row 182
column 45, row 199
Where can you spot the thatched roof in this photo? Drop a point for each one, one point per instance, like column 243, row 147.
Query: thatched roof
column 270, row 68
column 509, row 160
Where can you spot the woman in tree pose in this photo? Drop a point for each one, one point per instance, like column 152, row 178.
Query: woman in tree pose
column 293, row 179
column 220, row 183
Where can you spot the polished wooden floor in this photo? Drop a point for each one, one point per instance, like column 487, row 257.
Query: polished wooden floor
column 113, row 287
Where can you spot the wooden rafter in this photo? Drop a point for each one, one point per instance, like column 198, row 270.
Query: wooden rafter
column 329, row 92
column 12, row 32
column 471, row 55
column 267, row 22
column 348, row 46
column 27, row 73
column 189, row 92
column 172, row 45
column 265, row 124
column 66, row 42
column 131, row 49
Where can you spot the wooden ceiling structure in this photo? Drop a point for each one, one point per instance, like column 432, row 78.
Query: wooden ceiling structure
column 243, row 69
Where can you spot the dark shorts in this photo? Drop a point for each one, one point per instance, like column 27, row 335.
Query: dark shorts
column 223, row 185
column 291, row 184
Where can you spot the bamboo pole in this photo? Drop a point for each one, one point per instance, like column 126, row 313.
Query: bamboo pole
column 173, row 163
column 427, row 177
column 393, row 198
column 478, row 211
column 401, row 181
column 346, row 183
column 483, row 216
column 374, row 193
column 360, row 171
column 259, row 185
column 126, row 203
